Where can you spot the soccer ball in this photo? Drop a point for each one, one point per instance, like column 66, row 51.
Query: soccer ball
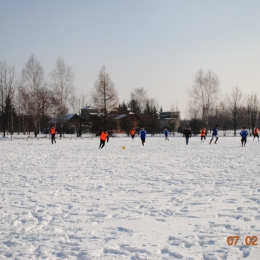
column 123, row 147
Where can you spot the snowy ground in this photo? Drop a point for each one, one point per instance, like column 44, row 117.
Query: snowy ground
column 164, row 201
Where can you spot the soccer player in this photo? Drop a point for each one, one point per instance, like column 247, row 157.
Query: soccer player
column 214, row 135
column 244, row 134
column 143, row 134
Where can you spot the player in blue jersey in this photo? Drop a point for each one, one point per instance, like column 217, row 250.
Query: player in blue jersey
column 244, row 134
column 214, row 135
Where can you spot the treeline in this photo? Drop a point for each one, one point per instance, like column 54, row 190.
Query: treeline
column 30, row 99
column 208, row 107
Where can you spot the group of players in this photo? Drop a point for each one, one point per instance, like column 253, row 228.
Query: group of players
column 187, row 134
column 104, row 137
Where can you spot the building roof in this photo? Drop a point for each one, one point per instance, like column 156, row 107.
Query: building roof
column 120, row 116
column 89, row 107
column 56, row 119
column 169, row 115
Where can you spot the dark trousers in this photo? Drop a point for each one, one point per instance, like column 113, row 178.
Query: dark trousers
column 243, row 140
column 102, row 143
column 53, row 138
column 203, row 137
column 187, row 140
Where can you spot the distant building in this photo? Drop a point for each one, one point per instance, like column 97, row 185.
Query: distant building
column 88, row 112
column 70, row 122
column 171, row 120
column 66, row 118
column 133, row 118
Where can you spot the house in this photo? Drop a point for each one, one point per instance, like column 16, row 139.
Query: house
column 171, row 120
column 134, row 119
column 92, row 116
column 131, row 116
column 88, row 112
column 70, row 122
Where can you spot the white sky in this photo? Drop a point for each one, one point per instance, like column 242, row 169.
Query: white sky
column 157, row 45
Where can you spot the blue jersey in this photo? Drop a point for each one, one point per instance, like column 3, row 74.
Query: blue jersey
column 244, row 133
column 142, row 134
column 166, row 132
column 215, row 131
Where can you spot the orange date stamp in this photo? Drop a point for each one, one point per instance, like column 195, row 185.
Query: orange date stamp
column 249, row 241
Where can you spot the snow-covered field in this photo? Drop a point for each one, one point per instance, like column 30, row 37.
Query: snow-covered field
column 164, row 201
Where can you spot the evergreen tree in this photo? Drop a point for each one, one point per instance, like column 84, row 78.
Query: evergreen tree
column 125, row 124
column 154, row 120
column 147, row 110
column 133, row 106
column 150, row 118
column 8, row 114
column 122, row 108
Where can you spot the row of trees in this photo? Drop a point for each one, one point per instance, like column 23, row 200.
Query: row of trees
column 207, row 107
column 29, row 100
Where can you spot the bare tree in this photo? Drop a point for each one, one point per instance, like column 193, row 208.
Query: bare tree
column 104, row 95
column 221, row 117
column 235, row 107
column 195, row 116
column 7, row 76
column 141, row 97
column 25, row 103
column 204, row 94
column 79, row 102
column 22, row 100
column 32, row 81
column 174, row 108
column 252, row 109
column 45, row 102
column 62, row 82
